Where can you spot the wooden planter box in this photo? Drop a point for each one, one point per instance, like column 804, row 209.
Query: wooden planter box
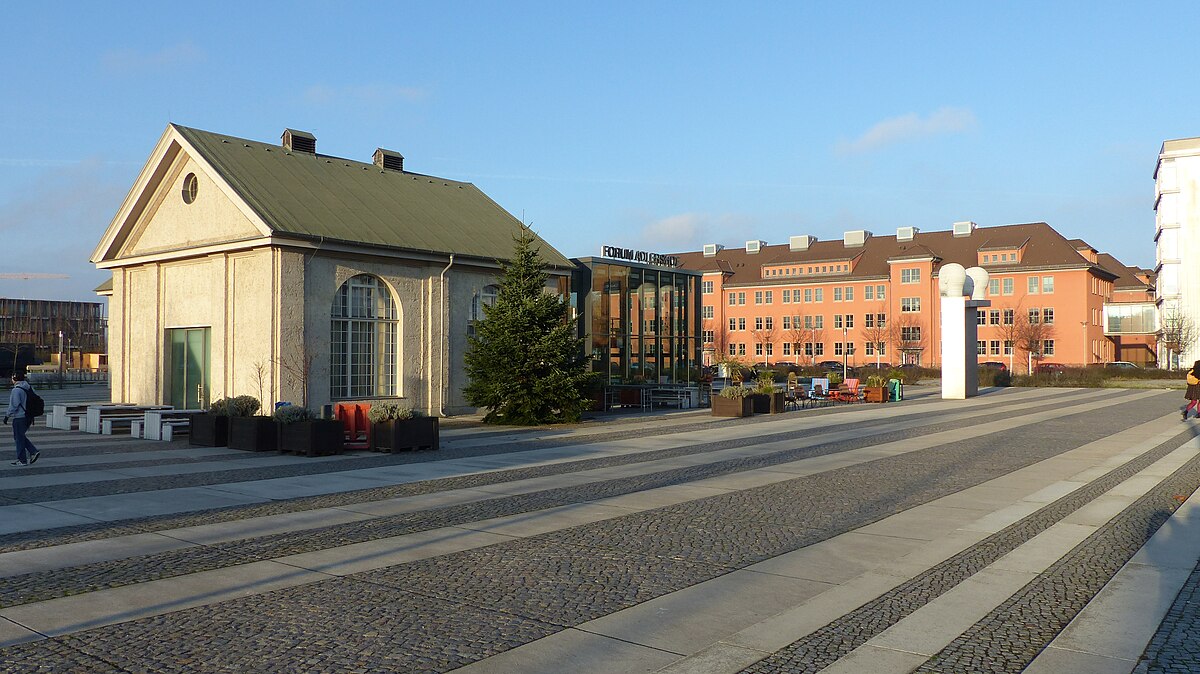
column 209, row 430
column 255, row 434
column 768, row 403
column 732, row 407
column 778, row 400
column 875, row 394
column 312, row 438
column 415, row 433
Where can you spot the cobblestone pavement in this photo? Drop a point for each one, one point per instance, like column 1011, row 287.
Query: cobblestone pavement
column 445, row 611
column 1175, row 647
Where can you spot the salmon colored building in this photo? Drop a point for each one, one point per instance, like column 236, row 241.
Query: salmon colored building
column 874, row 299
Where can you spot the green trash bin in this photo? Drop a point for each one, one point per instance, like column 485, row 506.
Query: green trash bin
column 895, row 390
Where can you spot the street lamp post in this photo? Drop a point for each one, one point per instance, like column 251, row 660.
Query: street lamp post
column 845, row 350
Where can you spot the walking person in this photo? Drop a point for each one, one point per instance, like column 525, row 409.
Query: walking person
column 1193, row 390
column 18, row 406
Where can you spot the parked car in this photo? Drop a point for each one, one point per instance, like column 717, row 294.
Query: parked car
column 1049, row 368
column 908, row 366
column 876, row 366
column 1121, row 365
column 993, row 365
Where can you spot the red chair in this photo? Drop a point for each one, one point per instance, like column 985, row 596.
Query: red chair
column 354, row 423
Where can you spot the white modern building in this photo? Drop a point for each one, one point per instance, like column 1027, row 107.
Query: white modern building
column 1177, row 247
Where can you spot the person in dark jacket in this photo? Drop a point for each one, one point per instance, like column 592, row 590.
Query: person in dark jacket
column 18, row 401
column 1193, row 390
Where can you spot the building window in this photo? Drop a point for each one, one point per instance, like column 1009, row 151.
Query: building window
column 910, row 333
column 363, row 359
column 787, row 348
column 910, row 275
column 1047, row 347
column 993, row 287
column 191, row 188
column 819, row 349
column 709, row 336
column 994, row 347
column 808, row 295
column 733, row 349
column 732, row 324
column 758, row 297
column 706, row 311
column 1008, row 286
column 818, row 322
column 994, row 317
column 742, row 324
column 741, row 349
column 484, row 298
column 1035, row 284
column 758, row 323
column 796, row 296
column 981, row 347
column 787, row 296
column 981, row 317
column 706, row 287
column 849, row 293
column 758, row 349
column 850, row 321
column 881, row 320
column 742, row 299
column 837, row 321
column 770, row 297
column 837, row 294
column 1008, row 347
column 868, row 292
column 1047, row 285
column 868, row 320
column 1009, row 316
column 1034, row 315
column 1048, row 316
column 770, row 322
column 837, row 349
column 770, row 349
column 733, row 299
column 880, row 293
column 910, row 305
column 787, row 323
column 818, row 294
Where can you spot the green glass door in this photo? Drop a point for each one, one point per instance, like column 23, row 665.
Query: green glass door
column 188, row 368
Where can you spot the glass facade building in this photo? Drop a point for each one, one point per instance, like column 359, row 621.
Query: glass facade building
column 640, row 323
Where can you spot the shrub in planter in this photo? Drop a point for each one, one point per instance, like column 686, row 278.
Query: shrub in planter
column 301, row 432
column 395, row 427
column 732, row 401
column 765, row 399
column 875, row 390
column 210, row 429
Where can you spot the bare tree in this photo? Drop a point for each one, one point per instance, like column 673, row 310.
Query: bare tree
column 798, row 335
column 875, row 333
column 259, row 372
column 1177, row 332
column 907, row 335
column 765, row 336
column 298, row 368
column 1031, row 336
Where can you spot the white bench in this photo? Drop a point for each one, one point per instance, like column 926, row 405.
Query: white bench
column 172, row 428
column 97, row 413
column 109, row 423
column 156, row 419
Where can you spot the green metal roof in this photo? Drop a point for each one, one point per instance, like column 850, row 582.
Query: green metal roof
column 323, row 197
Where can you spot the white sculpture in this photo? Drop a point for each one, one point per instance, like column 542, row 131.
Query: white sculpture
column 979, row 277
column 951, row 278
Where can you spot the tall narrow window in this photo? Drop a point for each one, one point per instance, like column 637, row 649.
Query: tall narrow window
column 364, row 327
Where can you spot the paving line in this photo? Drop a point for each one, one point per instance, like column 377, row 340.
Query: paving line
column 368, row 556
column 70, row 555
column 822, row 644
column 18, row 517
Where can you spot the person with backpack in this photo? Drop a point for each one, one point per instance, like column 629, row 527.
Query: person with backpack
column 21, row 411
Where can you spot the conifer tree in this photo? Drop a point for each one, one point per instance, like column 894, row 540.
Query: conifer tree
column 525, row 363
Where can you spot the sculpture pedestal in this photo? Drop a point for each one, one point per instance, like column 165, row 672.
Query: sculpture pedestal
column 960, row 354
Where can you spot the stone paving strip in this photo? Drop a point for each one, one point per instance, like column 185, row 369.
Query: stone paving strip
column 584, row 572
column 758, row 614
column 75, row 518
column 1144, row 620
column 47, row 573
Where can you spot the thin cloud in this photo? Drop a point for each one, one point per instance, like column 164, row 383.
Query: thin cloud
column 133, row 61
column 320, row 94
column 911, row 127
column 689, row 231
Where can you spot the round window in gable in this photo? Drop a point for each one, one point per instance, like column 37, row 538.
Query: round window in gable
column 191, row 185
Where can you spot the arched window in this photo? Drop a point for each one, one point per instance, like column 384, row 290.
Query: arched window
column 483, row 298
column 363, row 341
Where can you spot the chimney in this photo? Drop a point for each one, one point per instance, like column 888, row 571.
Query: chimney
column 855, row 238
column 386, row 159
column 711, row 249
column 752, row 247
column 299, row 141
column 797, row 243
column 964, row 228
column 906, row 233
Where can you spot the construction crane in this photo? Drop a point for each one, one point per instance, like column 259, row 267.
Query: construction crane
column 30, row 275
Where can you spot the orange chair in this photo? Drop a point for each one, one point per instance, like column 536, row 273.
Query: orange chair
column 354, row 423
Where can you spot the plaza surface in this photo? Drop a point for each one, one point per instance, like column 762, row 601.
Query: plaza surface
column 1035, row 530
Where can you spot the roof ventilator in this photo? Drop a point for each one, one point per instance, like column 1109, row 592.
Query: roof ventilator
column 387, row 159
column 855, row 238
column 798, row 243
column 711, row 249
column 964, row 228
column 299, row 141
column 752, row 247
column 906, row 233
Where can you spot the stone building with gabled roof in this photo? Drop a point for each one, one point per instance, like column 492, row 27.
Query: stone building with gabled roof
column 241, row 267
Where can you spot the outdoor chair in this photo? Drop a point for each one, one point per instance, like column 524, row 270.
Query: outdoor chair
column 818, row 395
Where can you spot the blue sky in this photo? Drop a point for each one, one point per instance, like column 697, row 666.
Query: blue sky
column 652, row 125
